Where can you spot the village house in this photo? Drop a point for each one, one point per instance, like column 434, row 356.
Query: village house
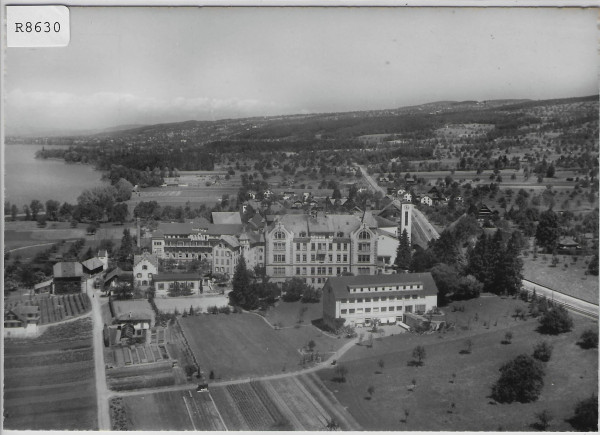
column 67, row 277
column 361, row 300
column 145, row 266
column 21, row 321
column 427, row 200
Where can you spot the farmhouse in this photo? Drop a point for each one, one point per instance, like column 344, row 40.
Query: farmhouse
column 427, row 200
column 67, row 277
column 359, row 300
column 145, row 266
column 166, row 284
column 21, row 321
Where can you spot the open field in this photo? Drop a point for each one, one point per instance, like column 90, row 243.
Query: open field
column 237, row 345
column 134, row 376
column 570, row 280
column 290, row 403
column 49, row 380
column 177, row 410
column 452, row 388
column 288, row 313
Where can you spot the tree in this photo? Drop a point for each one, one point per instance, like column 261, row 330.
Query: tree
column 119, row 213
column 404, row 252
column 125, row 252
column 180, row 289
column 521, row 380
column 593, row 265
column 508, row 270
column 52, row 209
column 543, row 420
column 548, row 230
column 123, row 190
column 542, row 351
column 371, row 390
column 381, row 364
column 508, row 338
column 555, row 321
column 588, row 339
column 36, row 207
column 14, row 211
column 340, row 373
column 585, row 418
column 550, row 171
column 27, row 212
column 243, row 294
column 419, row 354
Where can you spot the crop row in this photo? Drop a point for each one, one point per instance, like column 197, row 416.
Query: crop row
column 268, row 402
column 301, row 404
column 206, row 412
column 250, row 406
column 136, row 382
column 47, row 359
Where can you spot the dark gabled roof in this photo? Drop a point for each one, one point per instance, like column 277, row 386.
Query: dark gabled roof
column 151, row 258
column 116, row 273
column 224, row 229
column 92, row 263
column 341, row 284
column 176, row 277
column 383, row 222
column 67, row 269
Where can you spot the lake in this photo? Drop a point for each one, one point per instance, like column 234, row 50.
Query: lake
column 28, row 178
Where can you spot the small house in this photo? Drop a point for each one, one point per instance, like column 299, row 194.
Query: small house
column 145, row 266
column 67, row 277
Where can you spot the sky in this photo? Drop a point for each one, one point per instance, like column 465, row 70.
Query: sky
column 151, row 65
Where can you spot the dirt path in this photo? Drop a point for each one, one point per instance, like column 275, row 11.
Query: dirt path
column 102, row 392
column 327, row 363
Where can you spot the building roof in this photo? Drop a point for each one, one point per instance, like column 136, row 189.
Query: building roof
column 102, row 253
column 176, row 277
column 116, row 273
column 22, row 310
column 226, row 217
column 68, row 269
column 383, row 222
column 231, row 241
column 92, row 263
column 43, row 284
column 567, row 241
column 321, row 224
column 151, row 258
column 341, row 284
column 133, row 310
column 221, row 229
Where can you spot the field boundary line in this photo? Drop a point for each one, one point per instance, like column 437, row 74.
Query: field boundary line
column 189, row 413
column 218, row 412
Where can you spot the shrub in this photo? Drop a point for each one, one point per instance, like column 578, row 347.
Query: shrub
column 521, row 380
column 589, row 339
column 586, row 415
column 556, row 321
column 542, row 351
column 340, row 373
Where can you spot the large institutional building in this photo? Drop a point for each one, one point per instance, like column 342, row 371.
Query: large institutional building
column 313, row 246
column 319, row 246
column 388, row 298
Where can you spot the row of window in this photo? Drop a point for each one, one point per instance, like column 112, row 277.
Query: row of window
column 278, row 258
column 162, row 286
column 321, row 270
column 407, row 309
column 387, row 288
column 321, row 246
column 382, row 299
column 315, row 257
column 139, row 275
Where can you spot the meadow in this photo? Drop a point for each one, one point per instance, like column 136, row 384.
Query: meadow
column 451, row 390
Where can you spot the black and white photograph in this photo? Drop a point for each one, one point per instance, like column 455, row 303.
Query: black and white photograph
column 300, row 219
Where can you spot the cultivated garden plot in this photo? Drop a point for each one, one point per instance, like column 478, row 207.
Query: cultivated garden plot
column 57, row 308
column 49, row 380
column 170, row 410
column 238, row 346
column 387, row 389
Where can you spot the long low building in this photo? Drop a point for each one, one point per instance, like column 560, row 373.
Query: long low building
column 359, row 300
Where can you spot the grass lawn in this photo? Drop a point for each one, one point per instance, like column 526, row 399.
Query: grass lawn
column 238, row 345
column 288, row 313
column 570, row 280
column 571, row 375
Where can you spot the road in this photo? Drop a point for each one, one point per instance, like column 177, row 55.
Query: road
column 327, row 363
column 573, row 304
column 421, row 230
column 102, row 391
